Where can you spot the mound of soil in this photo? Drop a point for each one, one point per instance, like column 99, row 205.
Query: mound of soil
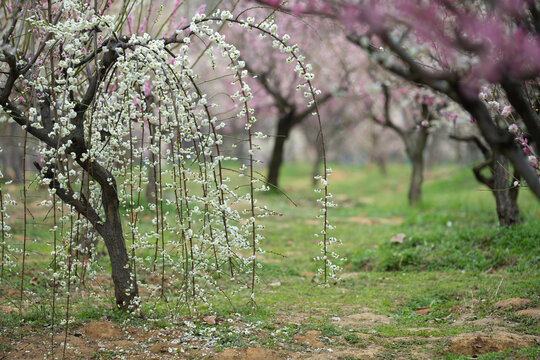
column 102, row 330
column 481, row 343
column 514, row 303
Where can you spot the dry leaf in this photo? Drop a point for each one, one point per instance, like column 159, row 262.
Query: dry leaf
column 398, row 238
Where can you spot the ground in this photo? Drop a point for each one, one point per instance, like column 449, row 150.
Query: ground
column 440, row 280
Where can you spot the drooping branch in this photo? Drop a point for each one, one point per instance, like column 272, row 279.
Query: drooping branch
column 82, row 206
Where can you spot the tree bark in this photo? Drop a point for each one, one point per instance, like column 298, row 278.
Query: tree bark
column 417, row 178
column 507, row 209
column 11, row 154
column 415, row 145
column 285, row 124
column 317, row 163
column 125, row 286
column 499, row 183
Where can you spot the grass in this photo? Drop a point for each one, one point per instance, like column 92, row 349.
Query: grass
column 454, row 260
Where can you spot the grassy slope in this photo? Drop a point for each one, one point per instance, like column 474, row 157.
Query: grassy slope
column 454, row 260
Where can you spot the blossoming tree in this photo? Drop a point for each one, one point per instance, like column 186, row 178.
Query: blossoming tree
column 101, row 94
column 455, row 48
column 420, row 110
column 278, row 94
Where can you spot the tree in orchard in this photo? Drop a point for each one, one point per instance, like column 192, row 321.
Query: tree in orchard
column 100, row 93
column 455, row 48
column 419, row 109
column 274, row 89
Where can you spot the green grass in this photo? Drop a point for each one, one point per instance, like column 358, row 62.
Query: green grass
column 455, row 259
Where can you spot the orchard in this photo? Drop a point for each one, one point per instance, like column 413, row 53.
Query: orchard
column 269, row 179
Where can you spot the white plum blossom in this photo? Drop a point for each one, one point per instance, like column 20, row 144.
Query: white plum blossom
column 506, row 111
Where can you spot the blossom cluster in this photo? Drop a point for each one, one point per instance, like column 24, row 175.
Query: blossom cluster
column 130, row 107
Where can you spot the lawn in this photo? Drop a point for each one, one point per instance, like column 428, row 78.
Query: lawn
column 439, row 280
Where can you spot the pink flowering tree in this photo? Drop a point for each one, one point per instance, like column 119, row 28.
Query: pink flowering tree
column 280, row 96
column 419, row 110
column 102, row 88
column 455, row 48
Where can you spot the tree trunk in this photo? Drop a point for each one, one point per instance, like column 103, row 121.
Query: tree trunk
column 151, row 185
column 317, row 163
column 11, row 154
column 507, row 208
column 285, row 125
column 86, row 241
column 415, row 145
column 125, row 286
column 417, row 178
column 377, row 156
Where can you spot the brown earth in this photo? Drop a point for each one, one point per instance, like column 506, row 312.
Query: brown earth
column 534, row 313
column 104, row 339
column 514, row 303
column 482, row 343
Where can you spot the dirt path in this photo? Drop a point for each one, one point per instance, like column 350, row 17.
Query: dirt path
column 292, row 336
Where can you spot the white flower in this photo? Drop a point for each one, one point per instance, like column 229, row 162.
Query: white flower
column 506, row 111
column 513, row 128
column 494, row 105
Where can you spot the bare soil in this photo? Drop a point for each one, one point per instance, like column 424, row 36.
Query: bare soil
column 104, row 339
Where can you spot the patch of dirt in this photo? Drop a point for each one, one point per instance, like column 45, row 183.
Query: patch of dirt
column 361, row 220
column 310, row 338
column 370, row 352
column 163, row 347
column 37, row 347
column 8, row 309
column 295, row 318
column 251, row 354
column 348, row 275
column 12, row 293
column 422, row 329
column 534, row 313
column 487, row 321
column 365, row 318
column 515, row 303
column 481, row 343
column 101, row 330
column 422, row 311
column 122, row 343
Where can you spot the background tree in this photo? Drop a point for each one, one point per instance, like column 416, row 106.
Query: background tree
column 454, row 48
column 276, row 92
column 418, row 110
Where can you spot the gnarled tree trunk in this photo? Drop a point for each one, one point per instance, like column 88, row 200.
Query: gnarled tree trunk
column 500, row 183
column 507, row 208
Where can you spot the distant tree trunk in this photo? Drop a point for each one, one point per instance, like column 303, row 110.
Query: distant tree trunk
column 11, row 152
column 417, row 178
column 377, row 157
column 415, row 146
column 285, row 124
column 317, row 163
column 151, row 185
